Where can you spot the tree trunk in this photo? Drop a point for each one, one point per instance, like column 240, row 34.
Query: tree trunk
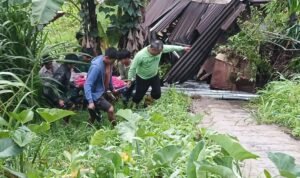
column 90, row 26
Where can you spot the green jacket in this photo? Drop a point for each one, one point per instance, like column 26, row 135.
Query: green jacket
column 145, row 65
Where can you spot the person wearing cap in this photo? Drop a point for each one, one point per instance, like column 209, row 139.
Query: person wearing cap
column 62, row 77
column 85, row 59
column 144, row 69
column 49, row 67
column 98, row 82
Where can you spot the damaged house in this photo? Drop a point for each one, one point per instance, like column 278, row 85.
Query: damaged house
column 200, row 24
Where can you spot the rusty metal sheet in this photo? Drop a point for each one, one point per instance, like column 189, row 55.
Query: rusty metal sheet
column 184, row 30
column 210, row 30
column 213, row 12
column 165, row 21
column 233, row 16
column 157, row 9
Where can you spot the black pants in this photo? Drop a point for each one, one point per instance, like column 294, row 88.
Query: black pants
column 143, row 85
column 128, row 93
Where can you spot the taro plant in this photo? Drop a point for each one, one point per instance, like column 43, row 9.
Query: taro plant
column 17, row 135
column 285, row 164
column 163, row 142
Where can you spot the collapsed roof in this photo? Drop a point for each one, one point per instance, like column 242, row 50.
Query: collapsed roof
column 193, row 22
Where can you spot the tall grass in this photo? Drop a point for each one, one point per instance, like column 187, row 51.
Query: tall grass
column 21, row 49
column 279, row 103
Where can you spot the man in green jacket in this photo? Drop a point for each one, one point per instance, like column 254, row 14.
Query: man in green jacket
column 144, row 69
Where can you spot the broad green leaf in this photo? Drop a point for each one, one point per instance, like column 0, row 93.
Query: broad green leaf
column 25, row 116
column 226, row 161
column 115, row 158
column 191, row 171
column 143, row 134
column 103, row 35
column 222, row 171
column 74, row 158
column 167, row 154
column 52, row 115
column 127, row 130
column 3, row 122
column 125, row 113
column 285, row 164
column 4, row 134
column 157, row 118
column 232, row 146
column 42, row 128
column 44, row 11
column 9, row 148
column 13, row 173
column 101, row 137
column 23, row 136
column 267, row 174
column 129, row 115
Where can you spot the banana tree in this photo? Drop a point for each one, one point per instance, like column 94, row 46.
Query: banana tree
column 42, row 11
column 125, row 16
column 91, row 37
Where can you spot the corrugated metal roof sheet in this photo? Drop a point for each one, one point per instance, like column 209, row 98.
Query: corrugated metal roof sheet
column 213, row 12
column 209, row 29
column 157, row 9
column 184, row 30
column 197, row 23
column 233, row 16
column 165, row 21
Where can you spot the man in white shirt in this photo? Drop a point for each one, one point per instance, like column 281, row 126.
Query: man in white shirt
column 49, row 67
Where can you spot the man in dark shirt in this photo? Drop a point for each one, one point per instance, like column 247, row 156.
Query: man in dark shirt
column 61, row 84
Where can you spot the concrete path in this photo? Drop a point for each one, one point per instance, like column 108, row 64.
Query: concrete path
column 230, row 117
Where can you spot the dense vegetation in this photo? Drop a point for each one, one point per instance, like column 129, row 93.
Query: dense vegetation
column 269, row 39
column 162, row 141
column 148, row 143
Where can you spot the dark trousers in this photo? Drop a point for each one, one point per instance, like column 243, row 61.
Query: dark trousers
column 143, row 85
column 128, row 93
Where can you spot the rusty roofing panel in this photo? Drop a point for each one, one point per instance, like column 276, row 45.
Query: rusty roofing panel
column 233, row 16
column 213, row 12
column 158, row 8
column 190, row 62
column 170, row 16
column 190, row 18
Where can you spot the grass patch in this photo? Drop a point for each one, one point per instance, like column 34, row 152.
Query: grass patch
column 279, row 104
